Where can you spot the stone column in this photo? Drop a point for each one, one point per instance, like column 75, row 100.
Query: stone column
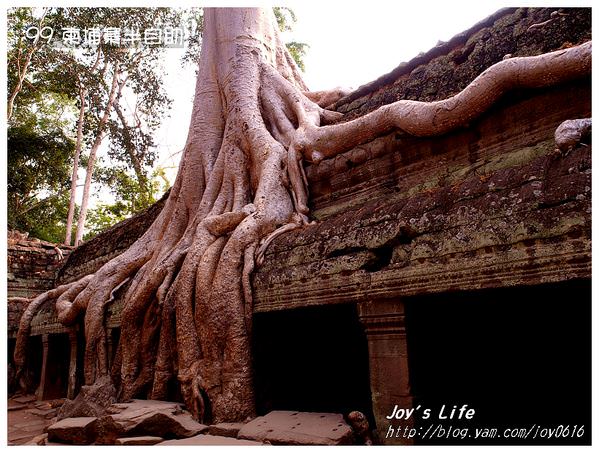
column 384, row 324
column 72, row 365
column 42, row 386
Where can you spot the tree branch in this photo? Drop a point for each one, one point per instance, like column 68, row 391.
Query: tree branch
column 22, row 73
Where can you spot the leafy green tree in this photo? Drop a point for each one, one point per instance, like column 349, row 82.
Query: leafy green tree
column 21, row 51
column 132, row 69
column 129, row 195
column 38, row 167
column 100, row 78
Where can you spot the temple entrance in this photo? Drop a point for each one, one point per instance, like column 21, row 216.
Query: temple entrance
column 311, row 359
column 57, row 372
column 518, row 356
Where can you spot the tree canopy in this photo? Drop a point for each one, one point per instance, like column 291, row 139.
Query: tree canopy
column 38, row 168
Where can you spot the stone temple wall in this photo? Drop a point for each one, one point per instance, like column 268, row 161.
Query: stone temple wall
column 32, row 264
column 31, row 270
column 489, row 205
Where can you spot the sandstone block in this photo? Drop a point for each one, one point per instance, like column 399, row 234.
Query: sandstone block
column 298, row 428
column 76, row 430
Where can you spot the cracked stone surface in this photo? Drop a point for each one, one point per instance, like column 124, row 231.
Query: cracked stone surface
column 75, row 430
column 298, row 428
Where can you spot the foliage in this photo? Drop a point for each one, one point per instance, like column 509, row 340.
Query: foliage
column 130, row 197
column 194, row 17
column 38, row 168
column 298, row 51
column 32, row 61
column 105, row 215
column 286, row 19
column 58, row 74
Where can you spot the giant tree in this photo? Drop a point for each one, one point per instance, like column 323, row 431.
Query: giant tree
column 187, row 303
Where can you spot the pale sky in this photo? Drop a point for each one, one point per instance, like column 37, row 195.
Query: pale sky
column 354, row 45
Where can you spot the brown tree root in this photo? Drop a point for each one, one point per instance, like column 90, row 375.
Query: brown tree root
column 187, row 302
column 437, row 118
column 571, row 133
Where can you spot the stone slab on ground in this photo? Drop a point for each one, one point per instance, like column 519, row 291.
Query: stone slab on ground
column 22, row 425
column 16, row 438
column 298, row 428
column 146, row 418
column 45, row 413
column 164, row 424
column 225, row 429
column 76, row 430
column 16, row 407
column 36, row 422
column 207, row 439
column 158, row 420
column 24, row 399
column 40, row 439
column 91, row 401
column 34, row 428
column 139, row 440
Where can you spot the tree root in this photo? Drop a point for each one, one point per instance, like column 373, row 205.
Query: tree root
column 20, row 354
column 271, row 237
column 571, row 133
column 328, row 97
column 436, row 118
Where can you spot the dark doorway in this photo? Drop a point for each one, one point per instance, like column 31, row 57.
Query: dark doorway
column 57, row 372
column 521, row 357
column 33, row 364
column 311, row 359
column 11, row 368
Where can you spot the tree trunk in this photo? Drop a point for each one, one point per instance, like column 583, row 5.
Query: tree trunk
column 136, row 160
column 187, row 305
column 114, row 90
column 17, row 89
column 78, row 145
column 22, row 71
